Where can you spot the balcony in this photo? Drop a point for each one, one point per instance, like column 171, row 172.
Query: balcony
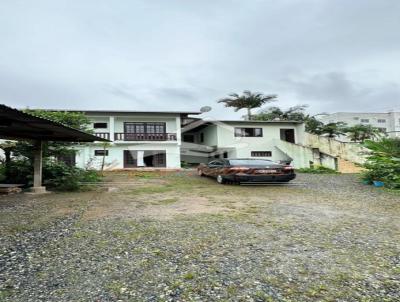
column 125, row 136
column 105, row 135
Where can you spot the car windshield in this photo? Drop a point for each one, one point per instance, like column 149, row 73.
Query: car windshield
column 250, row 162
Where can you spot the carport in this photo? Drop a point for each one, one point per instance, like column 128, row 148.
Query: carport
column 18, row 125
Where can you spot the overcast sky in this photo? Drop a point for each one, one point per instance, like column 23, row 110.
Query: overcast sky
column 336, row 55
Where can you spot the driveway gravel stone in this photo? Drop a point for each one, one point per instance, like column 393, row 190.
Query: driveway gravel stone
column 329, row 238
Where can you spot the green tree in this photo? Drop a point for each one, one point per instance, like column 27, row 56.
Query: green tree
column 247, row 100
column 360, row 133
column 333, row 130
column 296, row 113
column 313, row 125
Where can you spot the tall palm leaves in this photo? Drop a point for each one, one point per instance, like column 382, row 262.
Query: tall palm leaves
column 247, row 100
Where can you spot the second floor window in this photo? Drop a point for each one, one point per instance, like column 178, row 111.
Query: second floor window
column 364, row 120
column 100, row 125
column 381, row 121
column 248, row 132
column 144, row 127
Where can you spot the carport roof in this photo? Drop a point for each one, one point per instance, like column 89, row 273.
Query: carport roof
column 15, row 124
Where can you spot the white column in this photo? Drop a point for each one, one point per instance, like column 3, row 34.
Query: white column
column 111, row 127
column 37, row 168
column 178, row 130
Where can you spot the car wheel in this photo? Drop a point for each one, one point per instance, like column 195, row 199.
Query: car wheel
column 220, row 179
column 200, row 172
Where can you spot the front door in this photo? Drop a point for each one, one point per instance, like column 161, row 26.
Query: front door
column 146, row 159
column 130, row 159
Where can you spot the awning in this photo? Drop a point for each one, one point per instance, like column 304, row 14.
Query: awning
column 15, row 124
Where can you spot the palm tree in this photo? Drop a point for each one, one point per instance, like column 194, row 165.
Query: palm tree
column 360, row 133
column 247, row 100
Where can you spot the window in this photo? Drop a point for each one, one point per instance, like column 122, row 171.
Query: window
column 356, row 118
column 202, row 137
column 141, row 128
column 250, row 162
column 364, row 120
column 382, row 130
column 100, row 152
column 215, row 163
column 248, row 132
column 261, row 153
column 225, row 154
column 381, row 121
column 100, row 125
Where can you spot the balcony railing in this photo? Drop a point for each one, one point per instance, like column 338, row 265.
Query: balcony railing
column 105, row 135
column 124, row 136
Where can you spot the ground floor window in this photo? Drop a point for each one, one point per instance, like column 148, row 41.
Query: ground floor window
column 146, row 158
column 100, row 152
column 261, row 153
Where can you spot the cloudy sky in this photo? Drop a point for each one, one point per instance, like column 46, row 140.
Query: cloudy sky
column 336, row 55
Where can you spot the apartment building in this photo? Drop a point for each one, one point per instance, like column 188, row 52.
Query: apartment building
column 388, row 122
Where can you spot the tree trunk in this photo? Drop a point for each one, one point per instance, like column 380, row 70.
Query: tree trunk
column 249, row 114
column 7, row 155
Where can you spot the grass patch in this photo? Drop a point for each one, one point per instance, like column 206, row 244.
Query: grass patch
column 165, row 201
column 317, row 170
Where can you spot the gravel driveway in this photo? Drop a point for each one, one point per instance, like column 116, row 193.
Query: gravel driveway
column 179, row 237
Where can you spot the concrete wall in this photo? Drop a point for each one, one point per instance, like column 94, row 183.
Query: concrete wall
column 353, row 152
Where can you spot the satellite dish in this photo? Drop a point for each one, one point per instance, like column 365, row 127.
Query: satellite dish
column 205, row 109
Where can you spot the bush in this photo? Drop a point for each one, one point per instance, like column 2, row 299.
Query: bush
column 317, row 170
column 62, row 177
column 2, row 173
column 56, row 174
column 20, row 171
column 383, row 162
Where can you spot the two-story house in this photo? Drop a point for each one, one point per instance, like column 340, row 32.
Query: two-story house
column 137, row 139
column 164, row 139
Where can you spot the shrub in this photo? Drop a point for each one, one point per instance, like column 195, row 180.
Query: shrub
column 62, row 177
column 20, row 171
column 317, row 170
column 383, row 162
column 2, row 173
column 56, row 174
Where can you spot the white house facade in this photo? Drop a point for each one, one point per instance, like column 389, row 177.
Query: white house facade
column 137, row 140
column 275, row 140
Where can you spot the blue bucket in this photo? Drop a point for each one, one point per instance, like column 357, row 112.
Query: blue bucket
column 378, row 183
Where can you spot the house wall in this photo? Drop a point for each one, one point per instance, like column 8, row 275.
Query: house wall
column 115, row 159
column 352, row 152
column 245, row 145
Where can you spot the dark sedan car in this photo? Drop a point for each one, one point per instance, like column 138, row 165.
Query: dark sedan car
column 238, row 170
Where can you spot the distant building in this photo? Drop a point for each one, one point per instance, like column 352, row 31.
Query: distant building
column 388, row 122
